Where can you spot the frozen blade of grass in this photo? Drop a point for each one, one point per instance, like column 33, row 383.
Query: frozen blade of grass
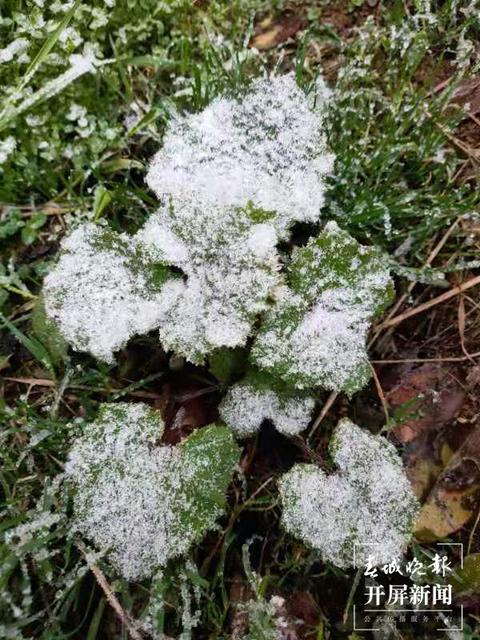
column 46, row 48
column 35, row 347
column 80, row 65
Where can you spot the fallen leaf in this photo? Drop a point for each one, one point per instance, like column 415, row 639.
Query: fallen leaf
column 303, row 608
column 273, row 31
column 422, row 473
column 467, row 578
column 452, row 501
column 423, row 398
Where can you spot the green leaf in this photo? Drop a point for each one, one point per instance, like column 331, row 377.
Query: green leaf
column 315, row 334
column 121, row 164
column 213, row 453
column 96, row 620
column 341, row 514
column 118, row 299
column 37, row 220
column 144, row 502
column 259, row 397
column 29, row 231
column 13, row 223
column 156, row 62
column 467, row 579
column 334, row 259
column 48, row 334
column 226, row 364
column 48, row 46
column 101, row 200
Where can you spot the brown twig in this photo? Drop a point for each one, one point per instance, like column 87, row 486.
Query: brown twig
column 325, row 409
column 455, row 291
column 431, row 257
column 45, row 382
column 112, row 598
column 381, row 395
column 455, row 141
column 419, row 360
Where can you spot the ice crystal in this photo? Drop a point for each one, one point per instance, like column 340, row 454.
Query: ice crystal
column 315, row 334
column 267, row 148
column 249, row 403
column 14, row 48
column 230, row 262
column 366, row 508
column 142, row 502
column 101, row 292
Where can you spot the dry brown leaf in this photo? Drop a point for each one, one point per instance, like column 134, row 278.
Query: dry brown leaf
column 442, row 516
column 422, row 473
column 273, row 31
column 454, row 498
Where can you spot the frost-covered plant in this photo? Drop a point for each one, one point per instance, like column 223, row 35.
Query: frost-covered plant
column 219, row 223
column 267, row 148
column 232, row 179
column 366, row 508
column 143, row 502
column 315, row 334
column 229, row 258
column 103, row 291
column 260, row 397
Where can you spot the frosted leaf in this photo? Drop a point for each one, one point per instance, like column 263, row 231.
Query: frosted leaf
column 368, row 502
column 315, row 335
column 247, row 404
column 142, row 502
column 267, row 147
column 101, row 292
column 229, row 258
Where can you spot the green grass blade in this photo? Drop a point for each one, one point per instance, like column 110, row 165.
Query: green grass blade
column 35, row 347
column 47, row 46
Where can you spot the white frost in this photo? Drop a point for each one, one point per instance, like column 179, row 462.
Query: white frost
column 268, row 148
column 14, row 48
column 316, row 333
column 367, row 504
column 230, row 264
column 232, row 179
column 132, row 497
column 97, row 300
column 244, row 409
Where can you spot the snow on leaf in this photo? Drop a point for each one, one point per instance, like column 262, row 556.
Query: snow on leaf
column 315, row 334
column 267, row 148
column 257, row 398
column 232, row 179
column 229, row 258
column 142, row 502
column 367, row 503
column 102, row 291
